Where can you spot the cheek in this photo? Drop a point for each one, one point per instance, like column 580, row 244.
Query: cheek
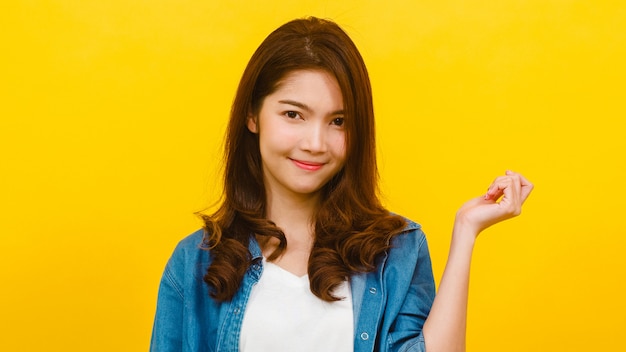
column 277, row 137
column 339, row 145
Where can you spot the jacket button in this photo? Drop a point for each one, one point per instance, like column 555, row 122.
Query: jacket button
column 373, row 290
column 256, row 267
column 237, row 310
column 364, row 336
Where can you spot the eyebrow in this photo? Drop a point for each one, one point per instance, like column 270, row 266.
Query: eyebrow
column 306, row 107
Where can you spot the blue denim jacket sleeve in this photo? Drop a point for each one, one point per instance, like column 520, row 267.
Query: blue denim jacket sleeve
column 392, row 304
column 168, row 322
column 405, row 333
column 185, row 316
column 167, row 329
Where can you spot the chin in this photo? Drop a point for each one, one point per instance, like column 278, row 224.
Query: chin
column 307, row 189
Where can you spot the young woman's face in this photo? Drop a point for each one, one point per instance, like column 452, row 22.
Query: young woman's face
column 301, row 134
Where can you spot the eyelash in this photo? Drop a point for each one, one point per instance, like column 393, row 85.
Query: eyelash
column 337, row 121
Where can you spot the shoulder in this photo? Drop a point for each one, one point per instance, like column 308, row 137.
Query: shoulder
column 409, row 246
column 190, row 245
column 410, row 236
column 411, row 225
column 189, row 256
column 408, row 260
column 192, row 241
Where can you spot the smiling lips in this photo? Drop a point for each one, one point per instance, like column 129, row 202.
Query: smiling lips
column 307, row 165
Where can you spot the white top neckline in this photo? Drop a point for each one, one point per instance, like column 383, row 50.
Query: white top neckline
column 283, row 315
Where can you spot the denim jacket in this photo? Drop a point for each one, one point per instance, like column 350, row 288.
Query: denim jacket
column 390, row 304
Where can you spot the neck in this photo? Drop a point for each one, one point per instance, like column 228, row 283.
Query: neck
column 294, row 215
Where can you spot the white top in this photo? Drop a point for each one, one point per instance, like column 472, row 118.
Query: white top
column 283, row 315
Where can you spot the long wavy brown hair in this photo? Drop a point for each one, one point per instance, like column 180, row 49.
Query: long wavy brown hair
column 352, row 228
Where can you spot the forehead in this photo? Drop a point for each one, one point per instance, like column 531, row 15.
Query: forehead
column 314, row 83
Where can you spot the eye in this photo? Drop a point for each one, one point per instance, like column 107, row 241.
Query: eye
column 292, row 114
column 338, row 121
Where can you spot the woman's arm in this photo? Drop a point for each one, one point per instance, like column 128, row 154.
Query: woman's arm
column 444, row 329
column 168, row 320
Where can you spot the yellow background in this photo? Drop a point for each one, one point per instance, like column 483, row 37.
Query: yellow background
column 111, row 122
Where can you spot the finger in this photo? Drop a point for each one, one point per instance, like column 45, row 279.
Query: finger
column 511, row 190
column 496, row 189
column 510, row 204
column 509, row 187
column 493, row 192
column 526, row 186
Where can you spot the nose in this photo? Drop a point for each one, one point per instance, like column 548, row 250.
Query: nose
column 314, row 138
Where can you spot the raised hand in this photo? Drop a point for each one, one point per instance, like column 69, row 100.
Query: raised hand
column 503, row 200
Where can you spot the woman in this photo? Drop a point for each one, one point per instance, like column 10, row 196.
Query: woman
column 301, row 255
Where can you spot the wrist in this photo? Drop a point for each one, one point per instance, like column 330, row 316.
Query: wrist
column 464, row 233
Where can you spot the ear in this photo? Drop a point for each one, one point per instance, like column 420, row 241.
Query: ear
column 252, row 123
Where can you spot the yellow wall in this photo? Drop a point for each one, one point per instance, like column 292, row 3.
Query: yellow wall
column 112, row 114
